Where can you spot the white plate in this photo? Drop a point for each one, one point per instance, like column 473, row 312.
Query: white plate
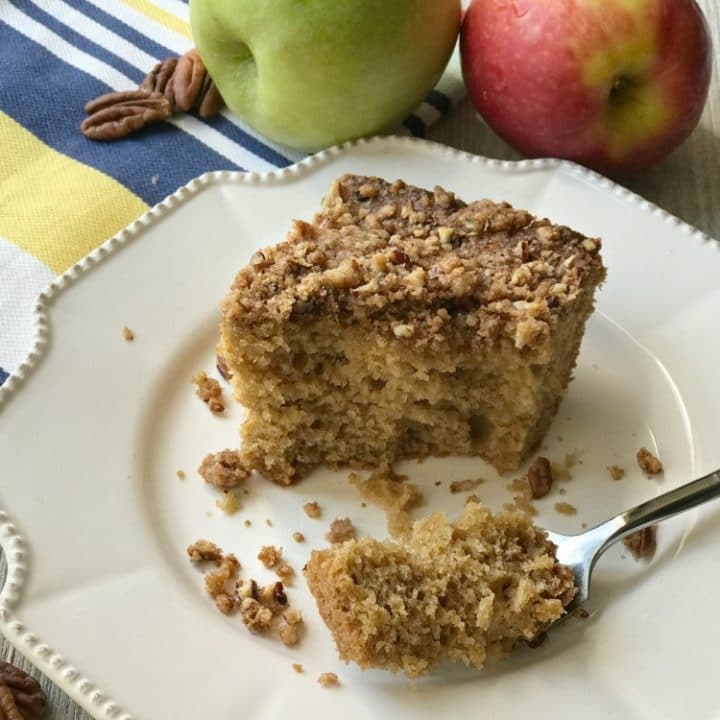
column 100, row 593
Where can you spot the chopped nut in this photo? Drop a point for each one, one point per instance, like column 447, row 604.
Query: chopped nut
column 616, row 472
column 565, row 508
column 225, row 603
column 269, row 556
column 247, row 523
column 328, row 679
column 204, row 550
column 642, row 543
column 181, row 474
column 229, row 503
column 540, row 477
column 312, row 510
column 21, row 697
column 225, row 469
column 445, row 234
column 216, row 581
column 273, row 596
column 298, row 537
column 341, row 529
column 290, row 634
column 648, row 462
column 247, row 589
column 257, row 617
column 293, row 616
column 297, row 667
column 458, row 486
column 210, row 392
column 285, row 572
column 128, row 334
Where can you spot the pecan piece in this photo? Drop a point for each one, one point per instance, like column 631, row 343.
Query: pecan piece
column 540, row 477
column 188, row 80
column 210, row 102
column 157, row 79
column 21, row 697
column 115, row 115
column 642, row 543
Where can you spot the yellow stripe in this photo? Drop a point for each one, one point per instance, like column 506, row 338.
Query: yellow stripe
column 54, row 207
column 170, row 21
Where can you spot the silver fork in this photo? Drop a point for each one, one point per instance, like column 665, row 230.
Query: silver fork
column 581, row 552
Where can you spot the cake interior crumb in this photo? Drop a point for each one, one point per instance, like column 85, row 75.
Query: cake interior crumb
column 297, row 667
column 328, row 679
column 128, row 334
column 181, row 474
column 229, row 502
column 565, row 508
column 616, row 472
column 341, row 529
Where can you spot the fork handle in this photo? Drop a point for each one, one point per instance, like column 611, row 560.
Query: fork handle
column 660, row 508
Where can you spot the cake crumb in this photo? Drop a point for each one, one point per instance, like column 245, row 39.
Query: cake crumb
column 269, row 556
column 540, row 477
column 341, row 529
column 256, row 617
column 642, row 544
column 216, row 581
column 297, row 667
column 472, row 499
column 268, row 522
column 290, row 634
column 181, row 474
column 224, row 470
column 459, row 486
column 298, row 537
column 272, row 596
column 204, row 550
column 438, row 483
column 584, row 525
column 247, row 523
column 285, row 572
column 210, row 392
column 312, row 510
column 328, row 679
column 565, row 508
column 648, row 462
column 392, row 493
column 128, row 334
column 616, row 472
column 229, row 503
column 225, row 603
column 582, row 613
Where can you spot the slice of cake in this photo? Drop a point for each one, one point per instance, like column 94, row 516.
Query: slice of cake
column 464, row 592
column 404, row 323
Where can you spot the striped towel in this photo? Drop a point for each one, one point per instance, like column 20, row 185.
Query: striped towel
column 62, row 195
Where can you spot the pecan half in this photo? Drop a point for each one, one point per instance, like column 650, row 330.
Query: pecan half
column 21, row 697
column 157, row 79
column 188, row 80
column 115, row 115
column 210, row 101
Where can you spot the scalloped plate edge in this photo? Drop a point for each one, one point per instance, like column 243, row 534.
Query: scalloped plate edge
column 63, row 674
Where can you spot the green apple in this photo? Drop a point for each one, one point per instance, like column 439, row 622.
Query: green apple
column 312, row 73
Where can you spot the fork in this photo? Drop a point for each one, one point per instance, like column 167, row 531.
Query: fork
column 581, row 552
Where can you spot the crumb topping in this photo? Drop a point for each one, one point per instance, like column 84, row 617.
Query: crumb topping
column 616, row 472
column 328, row 679
column 224, row 469
column 128, row 334
column 210, row 392
column 312, row 510
column 422, row 263
column 269, row 556
column 298, row 537
column 341, row 529
column 204, row 550
column 648, row 462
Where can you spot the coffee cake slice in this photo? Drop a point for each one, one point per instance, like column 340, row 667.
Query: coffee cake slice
column 468, row 592
column 403, row 323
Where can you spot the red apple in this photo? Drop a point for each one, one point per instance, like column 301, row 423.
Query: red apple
column 612, row 84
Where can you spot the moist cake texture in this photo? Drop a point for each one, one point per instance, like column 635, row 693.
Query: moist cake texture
column 465, row 592
column 402, row 323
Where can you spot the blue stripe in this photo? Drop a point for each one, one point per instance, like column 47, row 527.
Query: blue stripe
column 138, row 39
column 78, row 40
column 415, row 125
column 3, row 376
column 219, row 123
column 439, row 101
column 51, row 107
